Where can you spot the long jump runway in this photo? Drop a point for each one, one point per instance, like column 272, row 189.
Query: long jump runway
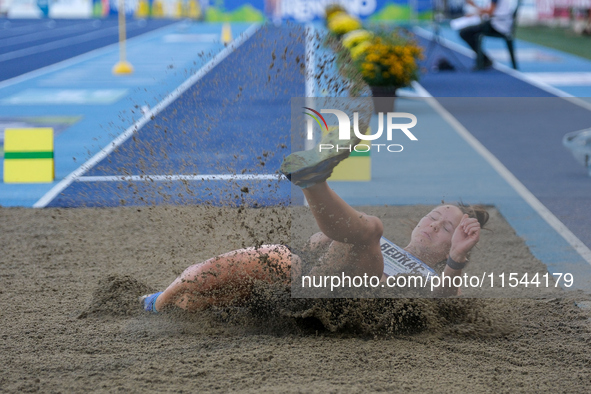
column 219, row 142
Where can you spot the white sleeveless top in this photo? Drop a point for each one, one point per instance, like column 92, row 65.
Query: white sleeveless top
column 399, row 261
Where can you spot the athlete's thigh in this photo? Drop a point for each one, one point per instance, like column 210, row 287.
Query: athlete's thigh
column 267, row 262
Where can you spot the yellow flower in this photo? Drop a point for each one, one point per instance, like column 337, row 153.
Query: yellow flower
column 343, row 23
column 371, row 57
column 356, row 37
column 334, row 14
column 387, row 60
column 359, row 50
column 333, row 9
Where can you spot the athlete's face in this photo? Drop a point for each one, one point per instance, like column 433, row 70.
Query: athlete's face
column 432, row 236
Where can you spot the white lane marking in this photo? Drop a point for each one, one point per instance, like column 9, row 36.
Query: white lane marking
column 525, row 55
column 65, row 97
column 65, row 42
column 164, row 178
column 544, row 86
column 562, row 78
column 80, row 58
column 310, row 75
column 310, row 80
column 59, row 31
column 175, row 38
column 507, row 70
column 34, row 26
column 537, row 206
column 51, row 194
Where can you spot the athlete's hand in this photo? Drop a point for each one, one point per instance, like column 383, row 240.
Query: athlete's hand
column 465, row 236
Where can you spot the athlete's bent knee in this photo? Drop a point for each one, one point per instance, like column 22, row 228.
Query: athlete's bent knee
column 373, row 231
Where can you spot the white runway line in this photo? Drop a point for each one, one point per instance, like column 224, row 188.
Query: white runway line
column 310, row 75
column 537, row 206
column 51, row 194
column 310, row 79
column 164, row 178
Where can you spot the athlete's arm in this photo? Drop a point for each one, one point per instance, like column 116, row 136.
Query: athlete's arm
column 464, row 238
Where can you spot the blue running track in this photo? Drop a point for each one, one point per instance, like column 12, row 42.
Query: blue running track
column 27, row 45
column 234, row 121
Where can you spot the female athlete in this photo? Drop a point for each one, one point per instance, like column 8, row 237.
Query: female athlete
column 445, row 234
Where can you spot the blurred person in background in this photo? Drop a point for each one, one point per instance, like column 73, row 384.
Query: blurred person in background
column 497, row 17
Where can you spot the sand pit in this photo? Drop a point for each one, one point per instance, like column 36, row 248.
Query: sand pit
column 69, row 321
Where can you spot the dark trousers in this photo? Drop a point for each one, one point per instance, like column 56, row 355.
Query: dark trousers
column 470, row 34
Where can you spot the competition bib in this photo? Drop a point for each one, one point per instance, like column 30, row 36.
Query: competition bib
column 399, row 261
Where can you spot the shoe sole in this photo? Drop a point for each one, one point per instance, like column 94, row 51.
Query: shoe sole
column 306, row 168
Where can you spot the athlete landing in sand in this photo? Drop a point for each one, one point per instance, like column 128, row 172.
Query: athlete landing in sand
column 447, row 233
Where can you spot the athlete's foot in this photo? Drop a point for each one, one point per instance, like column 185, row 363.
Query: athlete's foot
column 148, row 302
column 310, row 167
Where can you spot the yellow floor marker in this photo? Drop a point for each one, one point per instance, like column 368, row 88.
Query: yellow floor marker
column 28, row 155
column 143, row 9
column 178, row 12
column 357, row 167
column 157, row 9
column 122, row 67
column 194, row 10
column 226, row 33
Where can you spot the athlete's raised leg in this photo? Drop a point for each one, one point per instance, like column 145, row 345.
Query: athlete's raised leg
column 356, row 235
column 338, row 220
